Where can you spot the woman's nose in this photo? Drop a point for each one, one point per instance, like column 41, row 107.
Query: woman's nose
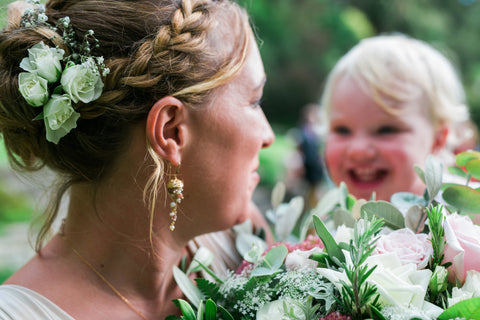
column 268, row 135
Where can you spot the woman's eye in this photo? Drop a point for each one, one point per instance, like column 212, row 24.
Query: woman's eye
column 341, row 130
column 387, row 130
column 257, row 104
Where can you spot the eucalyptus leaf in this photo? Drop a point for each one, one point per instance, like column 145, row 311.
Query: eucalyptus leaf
column 466, row 309
column 305, row 225
column 264, row 271
column 392, row 217
column 433, row 175
column 272, row 262
column 275, row 256
column 462, row 158
column 287, row 216
column 343, row 196
column 420, row 173
column 244, row 243
column 278, row 194
column 415, row 218
column 473, row 168
column 327, row 203
column 343, row 217
column 356, row 209
column 405, row 200
column 457, row 171
column 193, row 294
column 333, row 250
column 465, row 199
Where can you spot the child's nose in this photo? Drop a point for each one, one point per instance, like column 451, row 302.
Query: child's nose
column 361, row 149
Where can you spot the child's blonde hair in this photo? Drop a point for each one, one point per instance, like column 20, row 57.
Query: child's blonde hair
column 393, row 69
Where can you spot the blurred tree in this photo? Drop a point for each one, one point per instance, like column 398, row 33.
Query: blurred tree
column 300, row 42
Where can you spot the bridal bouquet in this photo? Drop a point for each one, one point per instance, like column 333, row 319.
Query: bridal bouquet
column 411, row 258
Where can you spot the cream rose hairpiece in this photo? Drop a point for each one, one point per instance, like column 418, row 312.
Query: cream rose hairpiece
column 57, row 82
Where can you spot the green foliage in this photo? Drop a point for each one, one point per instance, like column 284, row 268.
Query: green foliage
column 463, row 197
column 392, row 216
column 358, row 296
column 272, row 262
column 467, row 309
column 272, row 166
column 333, row 250
column 206, row 310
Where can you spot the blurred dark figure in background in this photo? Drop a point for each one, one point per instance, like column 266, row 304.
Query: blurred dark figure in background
column 309, row 145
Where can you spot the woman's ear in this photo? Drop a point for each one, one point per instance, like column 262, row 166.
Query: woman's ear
column 166, row 128
column 440, row 138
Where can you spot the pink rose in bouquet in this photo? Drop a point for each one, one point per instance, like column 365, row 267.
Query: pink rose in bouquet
column 463, row 246
column 407, row 245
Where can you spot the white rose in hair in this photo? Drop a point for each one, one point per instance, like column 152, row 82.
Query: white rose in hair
column 82, row 82
column 59, row 117
column 33, row 88
column 44, row 61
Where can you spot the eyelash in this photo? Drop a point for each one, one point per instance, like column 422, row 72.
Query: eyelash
column 257, row 104
column 388, row 130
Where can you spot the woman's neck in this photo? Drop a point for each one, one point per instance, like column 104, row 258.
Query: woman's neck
column 112, row 234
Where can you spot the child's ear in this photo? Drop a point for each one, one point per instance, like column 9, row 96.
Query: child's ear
column 166, row 128
column 440, row 138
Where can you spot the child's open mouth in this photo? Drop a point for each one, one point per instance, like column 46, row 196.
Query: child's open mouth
column 367, row 175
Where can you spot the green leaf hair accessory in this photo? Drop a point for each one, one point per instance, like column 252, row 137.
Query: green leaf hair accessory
column 57, row 82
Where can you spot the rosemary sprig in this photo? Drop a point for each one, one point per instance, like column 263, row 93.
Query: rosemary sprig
column 359, row 297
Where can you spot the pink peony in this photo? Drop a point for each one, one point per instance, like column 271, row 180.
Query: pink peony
column 463, row 246
column 407, row 245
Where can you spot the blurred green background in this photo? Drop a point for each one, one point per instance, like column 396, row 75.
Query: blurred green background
column 300, row 42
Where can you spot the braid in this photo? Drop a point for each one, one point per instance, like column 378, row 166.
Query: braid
column 181, row 48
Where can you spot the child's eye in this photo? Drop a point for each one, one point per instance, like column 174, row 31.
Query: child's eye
column 341, row 130
column 387, row 130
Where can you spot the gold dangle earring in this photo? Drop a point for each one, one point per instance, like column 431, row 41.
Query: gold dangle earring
column 175, row 191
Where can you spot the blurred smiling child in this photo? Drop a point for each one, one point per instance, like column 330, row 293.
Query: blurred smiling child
column 390, row 102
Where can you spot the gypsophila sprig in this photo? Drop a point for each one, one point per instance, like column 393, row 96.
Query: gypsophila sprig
column 35, row 15
column 57, row 82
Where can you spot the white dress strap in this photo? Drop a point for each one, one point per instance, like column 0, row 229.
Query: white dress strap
column 20, row 303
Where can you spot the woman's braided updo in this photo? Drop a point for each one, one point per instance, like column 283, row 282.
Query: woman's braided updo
column 182, row 48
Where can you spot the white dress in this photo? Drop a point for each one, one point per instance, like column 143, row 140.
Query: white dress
column 19, row 303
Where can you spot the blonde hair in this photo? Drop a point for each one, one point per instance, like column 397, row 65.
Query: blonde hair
column 396, row 68
column 181, row 48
